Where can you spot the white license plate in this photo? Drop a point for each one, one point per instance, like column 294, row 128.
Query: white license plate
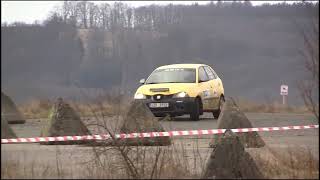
column 158, row 105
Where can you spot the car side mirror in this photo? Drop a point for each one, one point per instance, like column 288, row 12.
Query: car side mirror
column 142, row 81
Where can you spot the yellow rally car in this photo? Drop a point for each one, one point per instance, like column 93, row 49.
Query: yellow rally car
column 180, row 89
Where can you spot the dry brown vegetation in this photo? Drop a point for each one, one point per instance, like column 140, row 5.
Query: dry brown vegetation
column 35, row 109
column 162, row 162
column 108, row 106
column 289, row 163
column 108, row 163
column 309, row 87
column 268, row 107
column 175, row 161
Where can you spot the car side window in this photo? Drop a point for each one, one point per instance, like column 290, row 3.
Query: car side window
column 215, row 74
column 210, row 73
column 203, row 75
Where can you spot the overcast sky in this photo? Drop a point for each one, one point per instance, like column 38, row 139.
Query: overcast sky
column 29, row 11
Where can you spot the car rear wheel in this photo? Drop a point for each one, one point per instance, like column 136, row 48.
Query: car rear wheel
column 216, row 113
column 195, row 111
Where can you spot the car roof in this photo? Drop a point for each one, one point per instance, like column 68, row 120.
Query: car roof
column 181, row 66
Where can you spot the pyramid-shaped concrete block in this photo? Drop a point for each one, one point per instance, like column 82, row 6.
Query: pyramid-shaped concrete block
column 6, row 131
column 140, row 119
column 63, row 121
column 229, row 160
column 231, row 118
column 9, row 111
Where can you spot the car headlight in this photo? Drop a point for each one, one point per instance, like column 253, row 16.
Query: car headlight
column 181, row 95
column 139, row 96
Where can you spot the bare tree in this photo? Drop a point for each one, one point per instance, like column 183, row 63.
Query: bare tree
column 129, row 17
column 309, row 88
column 94, row 12
column 74, row 13
column 83, row 11
column 105, row 11
column 66, row 10
column 91, row 13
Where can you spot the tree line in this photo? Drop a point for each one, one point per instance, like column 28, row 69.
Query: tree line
column 107, row 45
column 84, row 14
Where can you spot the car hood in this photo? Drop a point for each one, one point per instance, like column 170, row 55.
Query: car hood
column 166, row 88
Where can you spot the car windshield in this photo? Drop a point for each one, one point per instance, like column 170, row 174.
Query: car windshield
column 172, row 75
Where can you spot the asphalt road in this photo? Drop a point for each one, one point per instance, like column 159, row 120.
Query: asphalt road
column 32, row 127
column 308, row 138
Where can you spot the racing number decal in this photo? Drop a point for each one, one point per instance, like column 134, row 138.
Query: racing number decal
column 215, row 93
column 206, row 93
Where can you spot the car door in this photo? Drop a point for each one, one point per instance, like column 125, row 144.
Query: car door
column 218, row 86
column 204, row 87
column 214, row 91
column 218, row 80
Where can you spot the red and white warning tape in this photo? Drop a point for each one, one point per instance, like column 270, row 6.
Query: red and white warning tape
column 151, row 134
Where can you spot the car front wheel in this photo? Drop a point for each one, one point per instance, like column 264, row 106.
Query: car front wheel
column 195, row 111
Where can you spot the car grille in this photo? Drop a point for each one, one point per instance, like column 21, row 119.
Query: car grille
column 159, row 97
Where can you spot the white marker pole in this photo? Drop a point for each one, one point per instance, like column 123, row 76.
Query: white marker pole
column 284, row 93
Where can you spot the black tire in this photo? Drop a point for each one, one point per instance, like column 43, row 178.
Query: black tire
column 201, row 109
column 194, row 115
column 216, row 113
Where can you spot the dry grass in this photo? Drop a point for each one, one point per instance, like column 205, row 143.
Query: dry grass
column 288, row 163
column 108, row 163
column 175, row 161
column 106, row 106
column 117, row 161
column 269, row 107
column 36, row 108
column 15, row 169
column 161, row 162
column 137, row 161
column 148, row 163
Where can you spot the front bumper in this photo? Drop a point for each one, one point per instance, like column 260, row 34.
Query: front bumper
column 177, row 106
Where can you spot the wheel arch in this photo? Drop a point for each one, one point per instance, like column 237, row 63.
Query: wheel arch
column 201, row 104
column 222, row 95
